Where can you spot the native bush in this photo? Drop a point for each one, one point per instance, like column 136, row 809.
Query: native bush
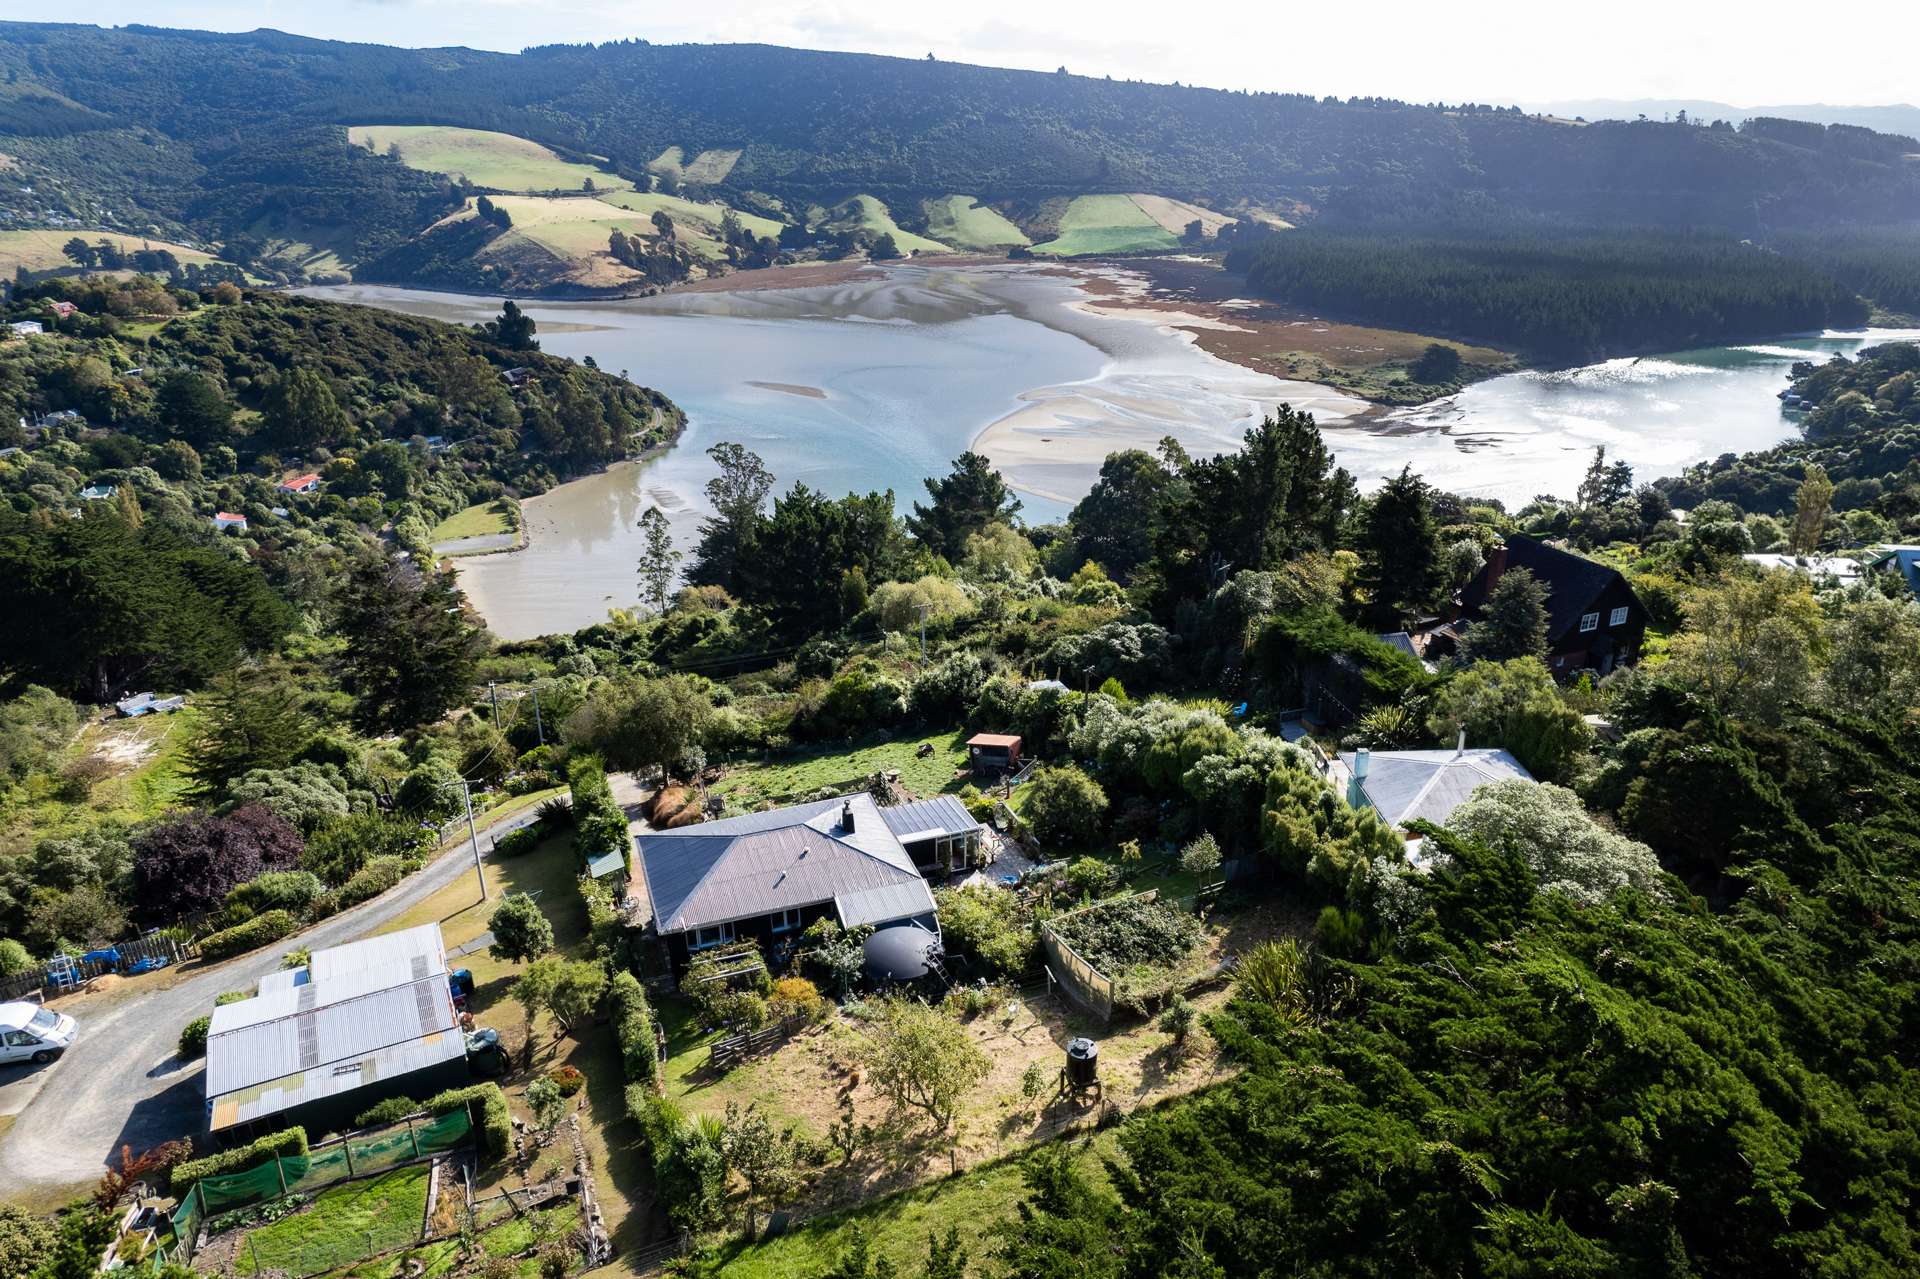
column 989, row 926
column 288, row 890
column 1063, row 806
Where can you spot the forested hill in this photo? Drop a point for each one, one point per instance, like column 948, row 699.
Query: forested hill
column 218, row 134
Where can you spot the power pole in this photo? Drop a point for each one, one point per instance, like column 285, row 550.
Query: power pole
column 473, row 836
column 537, row 727
column 493, row 692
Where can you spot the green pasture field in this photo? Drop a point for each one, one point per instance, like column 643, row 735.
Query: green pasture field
column 1106, row 224
column 499, row 161
column 962, row 221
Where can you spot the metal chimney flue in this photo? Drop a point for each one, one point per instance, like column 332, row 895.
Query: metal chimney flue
column 846, row 816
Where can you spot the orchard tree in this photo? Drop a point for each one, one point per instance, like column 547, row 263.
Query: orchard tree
column 922, row 1058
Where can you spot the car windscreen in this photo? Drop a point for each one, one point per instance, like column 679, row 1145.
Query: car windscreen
column 45, row 1019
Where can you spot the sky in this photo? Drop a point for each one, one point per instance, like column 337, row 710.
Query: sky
column 1744, row 52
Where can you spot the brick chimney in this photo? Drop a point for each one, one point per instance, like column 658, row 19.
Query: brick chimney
column 1496, row 565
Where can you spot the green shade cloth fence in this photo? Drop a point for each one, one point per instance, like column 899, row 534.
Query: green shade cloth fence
column 321, row 1166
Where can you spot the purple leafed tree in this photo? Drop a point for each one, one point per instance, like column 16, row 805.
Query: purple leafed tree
column 184, row 868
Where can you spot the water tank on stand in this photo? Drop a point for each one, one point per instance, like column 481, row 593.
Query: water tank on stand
column 1083, row 1064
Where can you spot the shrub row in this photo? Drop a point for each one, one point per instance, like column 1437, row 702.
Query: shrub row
column 193, row 1038
column 599, row 826
column 255, row 933
column 524, row 840
column 633, row 1027
column 496, row 1124
column 376, row 877
column 288, row 1143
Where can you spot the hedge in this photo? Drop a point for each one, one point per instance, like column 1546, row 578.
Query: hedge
column 376, row 877
column 288, row 1143
column 524, row 840
column 390, row 1111
column 633, row 1026
column 259, row 931
column 496, row 1124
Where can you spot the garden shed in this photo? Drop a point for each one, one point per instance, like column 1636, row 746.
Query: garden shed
column 992, row 754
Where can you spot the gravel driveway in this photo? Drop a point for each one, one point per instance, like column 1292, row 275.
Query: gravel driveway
column 122, row 1084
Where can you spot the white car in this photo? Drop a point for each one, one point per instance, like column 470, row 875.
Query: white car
column 29, row 1032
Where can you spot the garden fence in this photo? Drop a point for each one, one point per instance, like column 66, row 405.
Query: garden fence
column 66, row 973
column 1086, row 985
column 351, row 1156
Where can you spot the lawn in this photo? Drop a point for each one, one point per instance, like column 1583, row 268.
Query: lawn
column 785, row 778
column 867, row 213
column 961, row 220
column 43, row 251
column 977, row 1202
column 1106, row 224
column 498, row 161
column 476, row 521
column 345, row 1223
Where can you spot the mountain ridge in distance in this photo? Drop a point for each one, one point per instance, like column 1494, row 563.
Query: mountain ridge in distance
column 1893, row 117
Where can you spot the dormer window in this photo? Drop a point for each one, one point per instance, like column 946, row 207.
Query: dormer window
column 1589, row 622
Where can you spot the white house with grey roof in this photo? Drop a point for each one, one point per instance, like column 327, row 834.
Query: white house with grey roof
column 768, row 876
column 1406, row 786
column 317, row 1045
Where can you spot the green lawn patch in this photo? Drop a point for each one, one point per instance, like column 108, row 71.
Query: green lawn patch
column 962, row 221
column 476, row 521
column 346, row 1223
column 785, row 778
column 499, row 161
column 1107, row 224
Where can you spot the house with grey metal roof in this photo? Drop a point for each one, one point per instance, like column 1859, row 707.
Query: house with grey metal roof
column 768, row 876
column 1405, row 786
column 317, row 1045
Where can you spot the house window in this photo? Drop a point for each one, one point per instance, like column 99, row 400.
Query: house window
column 1618, row 617
column 786, row 921
column 718, row 935
column 1589, row 621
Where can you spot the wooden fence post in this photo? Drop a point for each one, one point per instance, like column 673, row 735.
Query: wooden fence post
column 413, row 1136
column 282, row 1170
column 346, row 1144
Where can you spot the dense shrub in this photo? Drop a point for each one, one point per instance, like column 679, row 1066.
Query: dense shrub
column 1134, row 930
column 524, row 840
column 1091, row 877
column 376, row 877
column 988, row 926
column 193, row 1037
column 14, row 958
column 1063, row 806
column 493, row 1121
column 288, row 1143
column 689, row 1172
column 390, row 1111
column 1134, row 654
column 289, row 890
column 259, row 931
column 339, row 849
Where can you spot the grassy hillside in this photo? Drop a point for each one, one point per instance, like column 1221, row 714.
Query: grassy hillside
column 1107, row 224
column 701, row 217
column 44, row 251
column 497, row 161
column 962, row 221
column 868, row 214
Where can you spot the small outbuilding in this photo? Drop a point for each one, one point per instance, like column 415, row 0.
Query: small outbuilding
column 992, row 754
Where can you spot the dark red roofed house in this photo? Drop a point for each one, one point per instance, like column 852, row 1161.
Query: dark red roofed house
column 1594, row 620
column 300, row 483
